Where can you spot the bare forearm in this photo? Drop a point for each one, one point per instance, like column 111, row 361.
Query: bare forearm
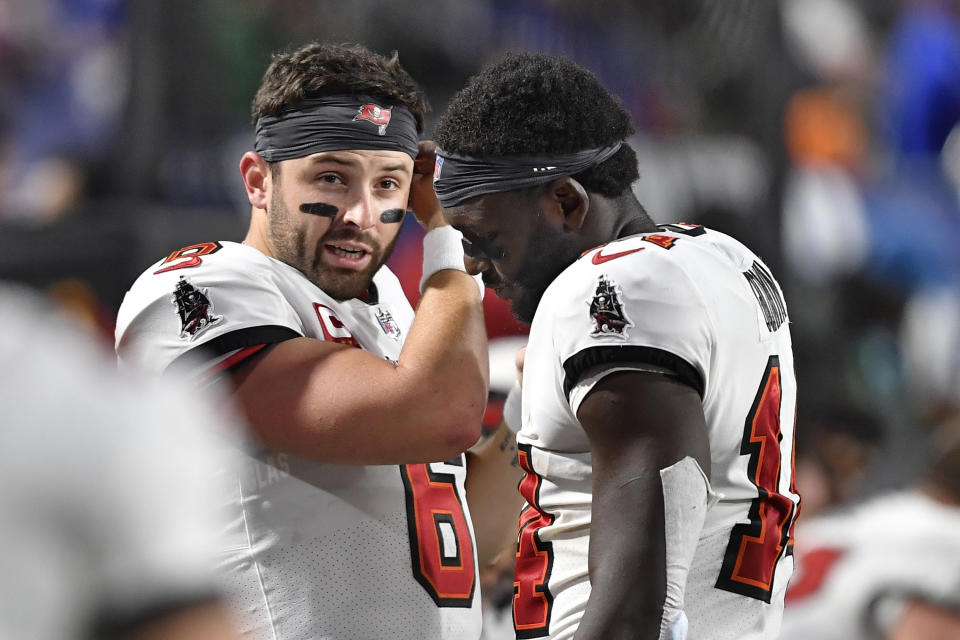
column 627, row 563
column 333, row 403
column 493, row 474
column 638, row 465
column 446, row 349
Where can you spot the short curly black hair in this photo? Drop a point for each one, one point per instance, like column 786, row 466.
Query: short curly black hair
column 320, row 69
column 537, row 104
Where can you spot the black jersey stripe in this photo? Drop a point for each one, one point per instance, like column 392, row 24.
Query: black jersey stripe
column 247, row 337
column 577, row 364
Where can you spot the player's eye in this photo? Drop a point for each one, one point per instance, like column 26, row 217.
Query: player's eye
column 482, row 248
column 330, row 178
column 389, row 183
column 491, row 250
column 469, row 250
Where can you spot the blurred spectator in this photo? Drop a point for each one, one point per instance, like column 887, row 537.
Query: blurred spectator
column 824, row 227
column 911, row 205
column 835, row 446
column 108, row 492
column 923, row 90
column 61, row 100
column 830, row 39
column 930, row 340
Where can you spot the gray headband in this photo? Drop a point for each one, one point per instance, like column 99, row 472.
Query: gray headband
column 336, row 123
column 457, row 178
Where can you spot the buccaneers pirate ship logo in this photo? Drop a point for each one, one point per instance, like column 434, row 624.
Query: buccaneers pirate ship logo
column 606, row 310
column 194, row 308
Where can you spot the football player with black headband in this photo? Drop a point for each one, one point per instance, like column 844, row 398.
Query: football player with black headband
column 350, row 518
column 658, row 393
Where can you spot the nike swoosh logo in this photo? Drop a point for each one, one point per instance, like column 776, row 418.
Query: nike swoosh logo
column 599, row 258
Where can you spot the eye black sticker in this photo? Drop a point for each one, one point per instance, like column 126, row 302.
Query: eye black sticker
column 392, row 215
column 319, row 209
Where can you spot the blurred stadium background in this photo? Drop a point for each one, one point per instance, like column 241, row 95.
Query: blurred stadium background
column 823, row 133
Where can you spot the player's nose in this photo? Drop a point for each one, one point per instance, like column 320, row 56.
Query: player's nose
column 362, row 212
column 476, row 266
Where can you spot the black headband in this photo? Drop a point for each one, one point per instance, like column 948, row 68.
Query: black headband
column 336, row 123
column 457, row 178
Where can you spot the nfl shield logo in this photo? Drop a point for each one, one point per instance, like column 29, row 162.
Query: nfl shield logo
column 388, row 324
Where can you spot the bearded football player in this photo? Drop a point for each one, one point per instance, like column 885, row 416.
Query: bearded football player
column 350, row 519
column 658, row 387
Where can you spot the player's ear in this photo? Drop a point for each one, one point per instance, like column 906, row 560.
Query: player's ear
column 256, row 178
column 572, row 201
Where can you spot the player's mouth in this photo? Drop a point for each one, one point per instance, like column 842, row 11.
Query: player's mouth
column 347, row 255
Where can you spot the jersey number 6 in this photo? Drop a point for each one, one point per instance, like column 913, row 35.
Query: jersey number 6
column 440, row 542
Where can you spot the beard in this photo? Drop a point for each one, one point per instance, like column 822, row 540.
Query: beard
column 289, row 244
column 548, row 253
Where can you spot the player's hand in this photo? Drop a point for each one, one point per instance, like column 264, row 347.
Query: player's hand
column 423, row 201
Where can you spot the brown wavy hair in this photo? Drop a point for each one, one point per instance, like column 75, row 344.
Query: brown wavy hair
column 319, row 69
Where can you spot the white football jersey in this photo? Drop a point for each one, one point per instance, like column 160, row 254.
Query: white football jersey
column 849, row 563
column 108, row 496
column 319, row 550
column 702, row 305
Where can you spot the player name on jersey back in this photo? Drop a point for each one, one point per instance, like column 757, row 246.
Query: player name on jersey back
column 699, row 305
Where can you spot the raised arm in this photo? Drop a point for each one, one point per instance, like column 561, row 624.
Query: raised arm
column 339, row 404
column 639, row 424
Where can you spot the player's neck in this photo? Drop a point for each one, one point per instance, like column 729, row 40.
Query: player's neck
column 632, row 218
column 257, row 233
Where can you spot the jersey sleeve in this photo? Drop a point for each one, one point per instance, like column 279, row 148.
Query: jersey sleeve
column 640, row 309
column 167, row 515
column 217, row 313
column 113, row 506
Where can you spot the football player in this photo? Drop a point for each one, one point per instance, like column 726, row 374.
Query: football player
column 109, row 497
column 887, row 568
column 350, row 519
column 658, row 388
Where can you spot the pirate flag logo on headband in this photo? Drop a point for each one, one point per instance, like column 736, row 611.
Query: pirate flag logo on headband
column 375, row 114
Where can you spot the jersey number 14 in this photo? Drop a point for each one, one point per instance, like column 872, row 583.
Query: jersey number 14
column 755, row 548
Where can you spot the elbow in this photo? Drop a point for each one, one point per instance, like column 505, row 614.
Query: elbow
column 456, row 429
column 462, row 431
column 447, row 413
column 468, row 434
column 456, row 419
column 467, row 421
